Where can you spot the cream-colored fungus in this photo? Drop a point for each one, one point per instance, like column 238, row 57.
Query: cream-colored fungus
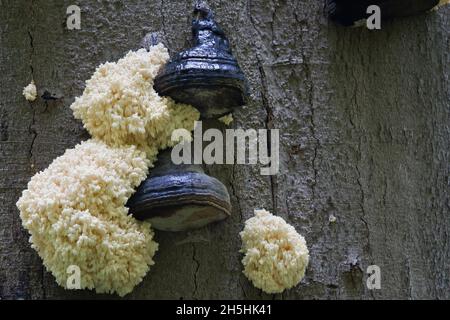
column 30, row 91
column 75, row 209
column 227, row 119
column 275, row 255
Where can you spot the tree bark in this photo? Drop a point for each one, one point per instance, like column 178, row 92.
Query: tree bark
column 364, row 136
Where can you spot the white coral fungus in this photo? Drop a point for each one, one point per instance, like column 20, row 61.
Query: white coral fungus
column 30, row 91
column 276, row 256
column 76, row 215
column 120, row 106
column 75, row 209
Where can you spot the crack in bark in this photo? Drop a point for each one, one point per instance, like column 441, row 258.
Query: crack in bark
column 30, row 36
column 385, row 186
column 266, row 105
column 312, row 126
column 33, row 133
column 197, row 267
column 241, row 218
column 272, row 29
column 250, row 18
column 363, row 212
column 242, row 288
column 163, row 25
column 359, row 176
column 310, row 90
column 235, row 194
column 31, row 128
column 355, row 101
column 4, row 134
column 268, row 125
column 362, row 199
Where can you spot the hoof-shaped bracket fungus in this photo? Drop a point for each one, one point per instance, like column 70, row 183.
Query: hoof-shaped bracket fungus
column 182, row 197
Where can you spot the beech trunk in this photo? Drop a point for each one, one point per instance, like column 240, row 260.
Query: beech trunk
column 364, row 137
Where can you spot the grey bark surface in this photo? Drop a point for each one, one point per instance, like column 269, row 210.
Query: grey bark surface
column 364, row 136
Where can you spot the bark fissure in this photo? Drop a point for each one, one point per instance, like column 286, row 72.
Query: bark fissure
column 312, row 127
column 362, row 202
column 251, row 19
column 31, row 127
column 163, row 26
column 30, row 31
column 306, row 64
column 266, row 104
column 30, row 36
column 197, row 267
column 236, row 194
column 242, row 288
column 359, row 178
column 269, row 125
column 33, row 132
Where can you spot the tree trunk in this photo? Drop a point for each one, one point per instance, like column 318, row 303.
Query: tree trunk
column 364, row 136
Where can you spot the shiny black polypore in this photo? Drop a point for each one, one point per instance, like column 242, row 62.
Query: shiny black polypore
column 207, row 75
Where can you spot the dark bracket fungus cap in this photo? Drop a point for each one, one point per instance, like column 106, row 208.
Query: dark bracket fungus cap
column 350, row 12
column 206, row 76
column 179, row 197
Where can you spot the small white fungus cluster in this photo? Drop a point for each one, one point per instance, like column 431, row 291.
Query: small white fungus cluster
column 30, row 91
column 75, row 209
column 120, row 106
column 276, row 256
column 227, row 119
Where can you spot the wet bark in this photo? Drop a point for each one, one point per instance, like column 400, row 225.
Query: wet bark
column 364, row 136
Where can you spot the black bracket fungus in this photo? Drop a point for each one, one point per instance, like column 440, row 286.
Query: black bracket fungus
column 206, row 76
column 179, row 197
column 350, row 12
